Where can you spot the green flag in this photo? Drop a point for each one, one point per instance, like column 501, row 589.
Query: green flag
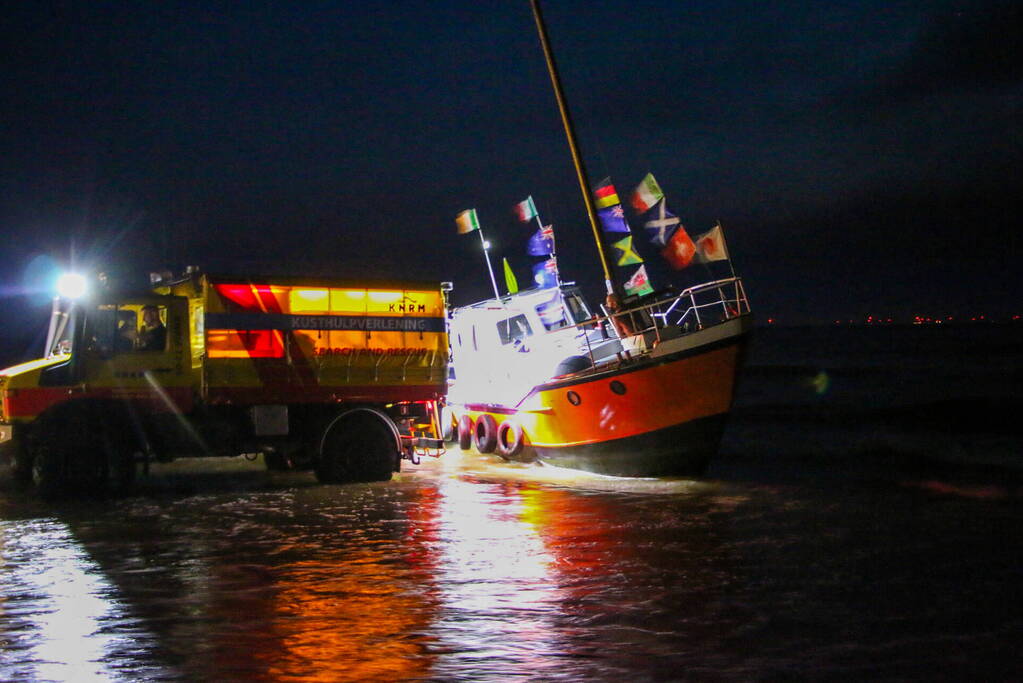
column 629, row 255
column 509, row 278
column 467, row 221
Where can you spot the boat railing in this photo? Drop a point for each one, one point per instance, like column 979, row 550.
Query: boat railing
column 667, row 317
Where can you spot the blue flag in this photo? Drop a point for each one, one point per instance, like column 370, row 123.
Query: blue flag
column 552, row 312
column 662, row 224
column 541, row 243
column 613, row 219
column 545, row 273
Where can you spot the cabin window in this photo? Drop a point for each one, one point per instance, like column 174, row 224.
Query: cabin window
column 577, row 308
column 114, row 329
column 514, row 329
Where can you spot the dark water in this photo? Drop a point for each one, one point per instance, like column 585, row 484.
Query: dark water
column 863, row 522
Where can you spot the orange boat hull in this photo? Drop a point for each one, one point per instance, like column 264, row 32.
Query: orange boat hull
column 651, row 417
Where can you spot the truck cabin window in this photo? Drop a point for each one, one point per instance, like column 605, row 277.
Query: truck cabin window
column 114, row 330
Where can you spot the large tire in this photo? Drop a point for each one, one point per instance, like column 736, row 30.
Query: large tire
column 484, row 436
column 465, row 427
column 449, row 429
column 511, row 440
column 357, row 447
column 82, row 448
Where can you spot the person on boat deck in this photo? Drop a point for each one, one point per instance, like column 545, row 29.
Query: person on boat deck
column 624, row 325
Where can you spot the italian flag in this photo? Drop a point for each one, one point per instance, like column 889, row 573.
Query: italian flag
column 526, row 209
column 467, row 221
column 646, row 194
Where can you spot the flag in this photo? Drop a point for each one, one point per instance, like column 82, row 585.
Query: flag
column 552, row 312
column 526, row 209
column 613, row 219
column 629, row 255
column 509, row 278
column 639, row 283
column 605, row 194
column 646, row 194
column 541, row 243
column 710, row 246
column 545, row 273
column 467, row 221
column 663, row 224
column 679, row 250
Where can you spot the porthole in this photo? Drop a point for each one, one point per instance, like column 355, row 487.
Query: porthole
column 574, row 398
column 618, row 387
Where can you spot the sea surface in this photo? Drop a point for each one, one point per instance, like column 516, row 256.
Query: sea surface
column 863, row 522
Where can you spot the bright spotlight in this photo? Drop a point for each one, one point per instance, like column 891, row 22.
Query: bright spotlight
column 486, row 244
column 71, row 286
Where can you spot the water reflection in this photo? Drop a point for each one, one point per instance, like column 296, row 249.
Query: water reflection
column 460, row 571
column 61, row 618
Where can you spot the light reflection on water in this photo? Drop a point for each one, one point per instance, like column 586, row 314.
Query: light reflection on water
column 470, row 569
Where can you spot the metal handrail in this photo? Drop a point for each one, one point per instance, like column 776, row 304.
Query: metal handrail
column 727, row 294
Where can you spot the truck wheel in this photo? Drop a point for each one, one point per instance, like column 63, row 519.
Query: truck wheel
column 465, row 428
column 82, row 449
column 358, row 447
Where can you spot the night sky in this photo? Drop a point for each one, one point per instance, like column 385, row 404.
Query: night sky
column 863, row 157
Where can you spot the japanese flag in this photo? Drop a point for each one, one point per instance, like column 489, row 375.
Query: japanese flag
column 710, row 246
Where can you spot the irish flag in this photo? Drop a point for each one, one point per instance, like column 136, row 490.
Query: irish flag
column 467, row 221
column 526, row 209
column 646, row 194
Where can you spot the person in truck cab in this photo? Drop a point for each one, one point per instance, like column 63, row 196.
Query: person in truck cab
column 126, row 332
column 153, row 336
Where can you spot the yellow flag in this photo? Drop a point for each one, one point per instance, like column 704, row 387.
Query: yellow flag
column 509, row 278
column 629, row 255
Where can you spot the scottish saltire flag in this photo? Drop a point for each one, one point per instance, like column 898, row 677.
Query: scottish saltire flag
column 639, row 283
column 545, row 273
column 662, row 224
column 509, row 278
column 467, row 221
column 605, row 195
column 710, row 246
column 679, row 250
column 613, row 219
column 646, row 194
column 526, row 209
column 628, row 256
column 541, row 243
column 552, row 313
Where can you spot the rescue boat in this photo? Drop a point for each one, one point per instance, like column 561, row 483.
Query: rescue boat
column 640, row 390
column 538, row 376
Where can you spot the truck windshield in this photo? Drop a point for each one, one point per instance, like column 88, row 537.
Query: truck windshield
column 61, row 333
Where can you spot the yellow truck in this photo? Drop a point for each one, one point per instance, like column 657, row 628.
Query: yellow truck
column 336, row 376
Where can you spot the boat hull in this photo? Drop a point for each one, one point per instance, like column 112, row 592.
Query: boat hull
column 660, row 415
column 679, row 450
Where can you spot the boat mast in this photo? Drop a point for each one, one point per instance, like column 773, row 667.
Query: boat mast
column 566, row 119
